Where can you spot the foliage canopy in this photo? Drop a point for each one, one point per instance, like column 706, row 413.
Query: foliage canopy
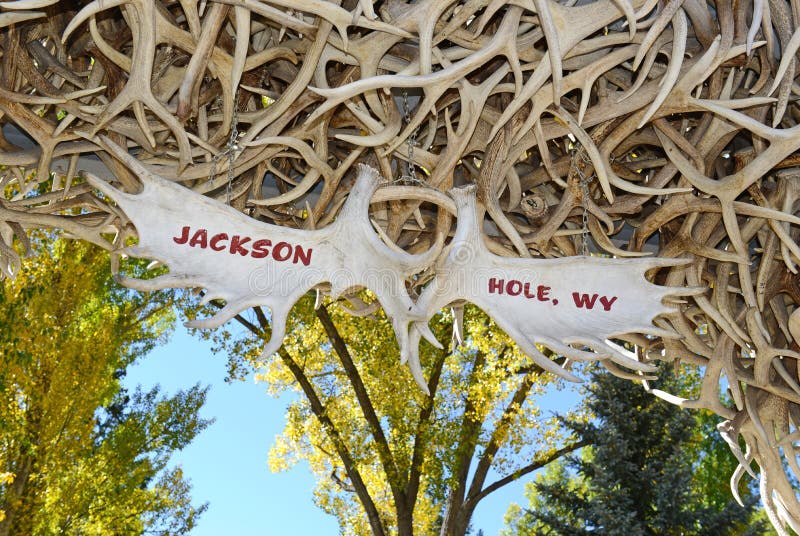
column 78, row 453
column 389, row 459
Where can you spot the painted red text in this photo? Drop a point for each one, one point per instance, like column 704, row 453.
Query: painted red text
column 512, row 287
column 588, row 301
column 244, row 246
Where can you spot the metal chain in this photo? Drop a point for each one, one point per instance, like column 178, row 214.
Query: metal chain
column 411, row 170
column 231, row 148
column 585, row 221
column 576, row 168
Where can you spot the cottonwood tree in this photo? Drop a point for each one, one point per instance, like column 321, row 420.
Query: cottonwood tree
column 78, row 453
column 389, row 459
column 636, row 127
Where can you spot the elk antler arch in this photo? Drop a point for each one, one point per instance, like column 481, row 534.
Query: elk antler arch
column 673, row 125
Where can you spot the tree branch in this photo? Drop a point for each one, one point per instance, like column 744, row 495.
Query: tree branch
column 262, row 320
column 249, row 325
column 341, row 448
column 384, row 452
column 467, row 440
column 500, row 433
column 135, row 320
column 255, row 330
column 421, row 436
column 533, row 466
column 320, row 412
column 497, row 438
column 533, row 368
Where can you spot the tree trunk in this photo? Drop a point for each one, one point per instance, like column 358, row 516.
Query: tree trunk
column 405, row 523
column 15, row 493
column 456, row 517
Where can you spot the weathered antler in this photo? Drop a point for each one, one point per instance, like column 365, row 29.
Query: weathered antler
column 666, row 128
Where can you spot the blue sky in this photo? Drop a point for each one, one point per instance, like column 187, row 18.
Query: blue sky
column 227, row 463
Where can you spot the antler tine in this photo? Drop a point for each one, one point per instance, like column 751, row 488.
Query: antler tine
column 273, row 106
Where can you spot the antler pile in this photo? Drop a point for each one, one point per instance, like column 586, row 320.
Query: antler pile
column 684, row 111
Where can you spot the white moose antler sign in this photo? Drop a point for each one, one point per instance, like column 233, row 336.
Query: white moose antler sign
column 552, row 302
column 248, row 263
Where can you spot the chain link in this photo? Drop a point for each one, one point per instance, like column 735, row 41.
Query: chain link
column 411, row 170
column 585, row 221
column 231, row 148
column 576, row 168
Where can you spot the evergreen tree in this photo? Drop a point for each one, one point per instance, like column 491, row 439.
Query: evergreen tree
column 644, row 473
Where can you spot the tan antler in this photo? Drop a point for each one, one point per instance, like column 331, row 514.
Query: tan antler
column 650, row 128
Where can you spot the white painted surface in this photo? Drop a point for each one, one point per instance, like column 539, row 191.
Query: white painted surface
column 347, row 254
column 581, row 301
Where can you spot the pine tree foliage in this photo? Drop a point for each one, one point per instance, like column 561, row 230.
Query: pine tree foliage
column 651, row 469
column 79, row 454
